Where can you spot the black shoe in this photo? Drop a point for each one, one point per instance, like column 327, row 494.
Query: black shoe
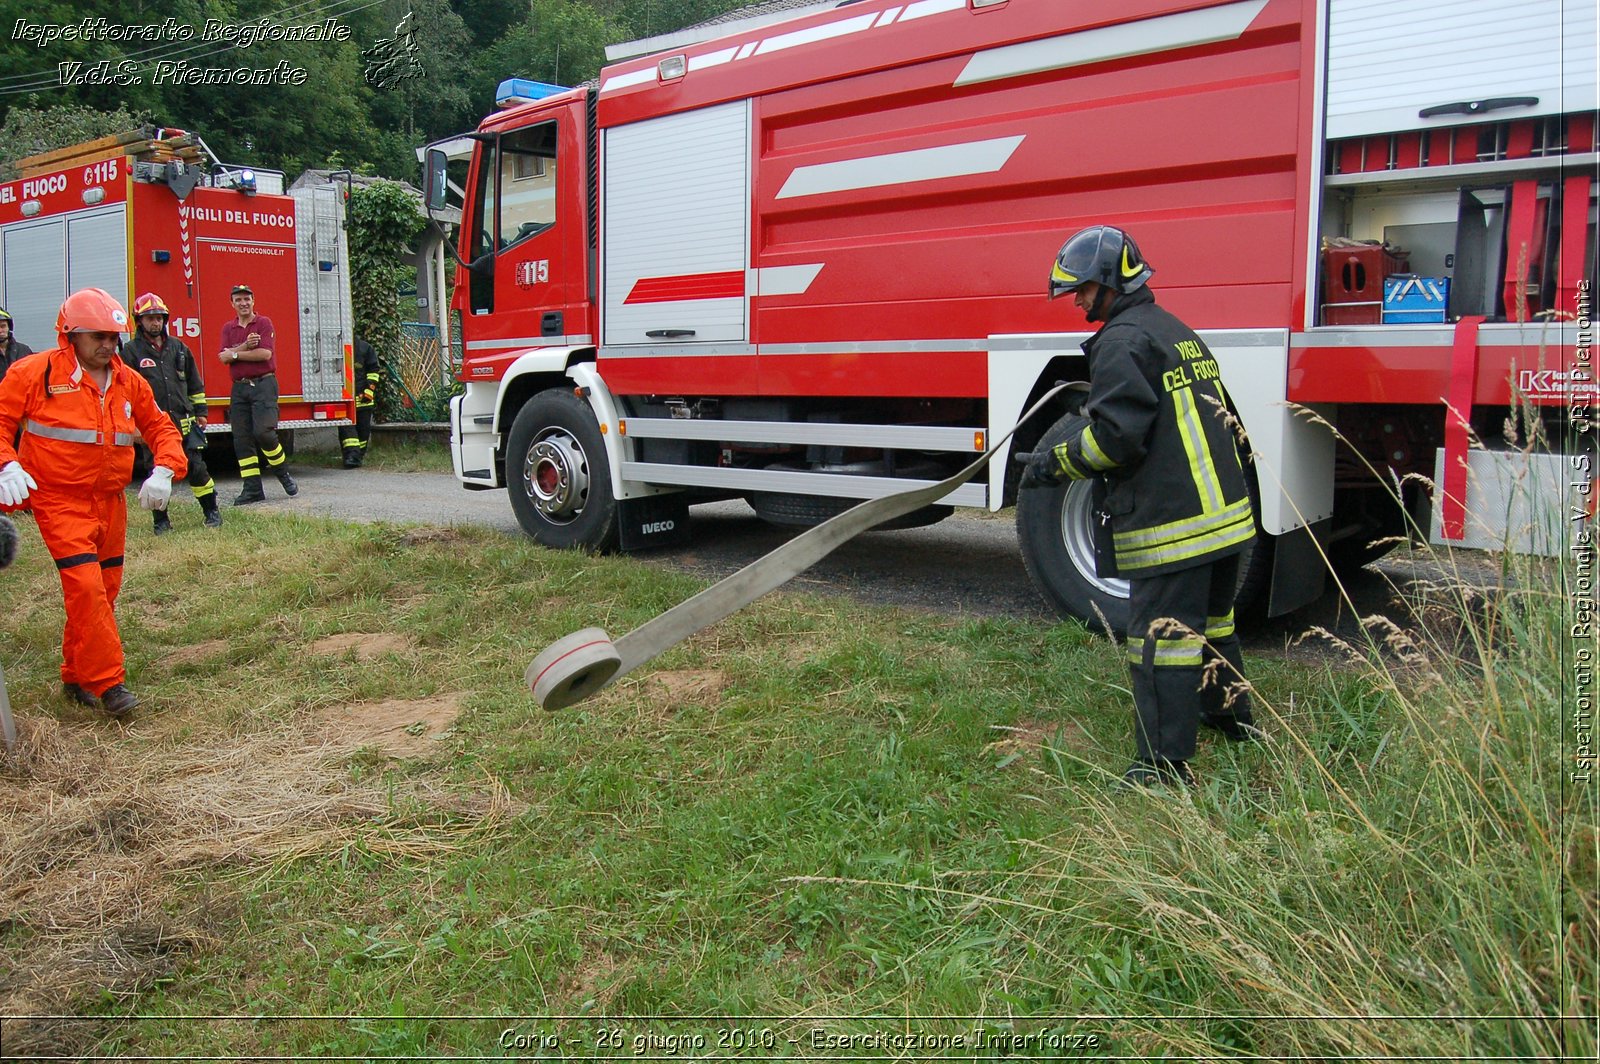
column 1233, row 729
column 118, row 700
column 163, row 523
column 252, row 493
column 213, row 515
column 352, row 458
column 290, row 488
column 1158, row 774
column 79, row 695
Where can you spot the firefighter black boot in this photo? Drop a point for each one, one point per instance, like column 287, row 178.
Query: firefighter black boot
column 118, row 701
column 290, row 488
column 79, row 695
column 208, row 506
column 252, row 492
column 163, row 523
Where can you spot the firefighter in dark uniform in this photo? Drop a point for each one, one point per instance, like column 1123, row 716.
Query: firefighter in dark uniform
column 366, row 383
column 1157, row 426
column 169, row 366
column 11, row 349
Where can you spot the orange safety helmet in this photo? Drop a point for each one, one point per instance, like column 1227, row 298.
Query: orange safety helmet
column 150, row 303
column 91, row 310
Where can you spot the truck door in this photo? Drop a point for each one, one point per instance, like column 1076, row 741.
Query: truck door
column 529, row 219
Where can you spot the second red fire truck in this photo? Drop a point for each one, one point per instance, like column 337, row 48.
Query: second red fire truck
column 134, row 217
column 804, row 263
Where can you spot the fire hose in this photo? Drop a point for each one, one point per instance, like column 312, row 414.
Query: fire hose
column 581, row 664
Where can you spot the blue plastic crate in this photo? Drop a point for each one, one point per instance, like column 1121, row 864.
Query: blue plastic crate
column 1409, row 297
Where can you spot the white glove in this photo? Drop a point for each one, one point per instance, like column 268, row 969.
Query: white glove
column 15, row 483
column 157, row 489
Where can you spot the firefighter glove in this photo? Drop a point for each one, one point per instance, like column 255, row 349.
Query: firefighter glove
column 367, row 396
column 15, row 483
column 1042, row 470
column 157, row 489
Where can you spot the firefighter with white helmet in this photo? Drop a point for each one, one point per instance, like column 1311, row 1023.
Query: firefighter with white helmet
column 80, row 408
column 1157, row 427
column 169, row 367
column 12, row 350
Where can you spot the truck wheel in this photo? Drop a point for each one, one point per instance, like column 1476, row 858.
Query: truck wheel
column 1055, row 531
column 558, row 474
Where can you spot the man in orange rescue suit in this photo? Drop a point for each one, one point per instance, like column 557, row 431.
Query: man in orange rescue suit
column 168, row 366
column 247, row 344
column 1158, row 429
column 80, row 409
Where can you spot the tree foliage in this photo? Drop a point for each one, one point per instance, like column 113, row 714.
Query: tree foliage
column 383, row 220
column 34, row 129
column 463, row 49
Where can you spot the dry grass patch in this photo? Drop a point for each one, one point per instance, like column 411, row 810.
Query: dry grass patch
column 366, row 645
column 196, row 653
column 102, row 838
column 674, row 688
column 1029, row 736
column 404, row 728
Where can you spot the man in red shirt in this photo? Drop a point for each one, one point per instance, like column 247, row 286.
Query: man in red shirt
column 79, row 409
column 253, row 405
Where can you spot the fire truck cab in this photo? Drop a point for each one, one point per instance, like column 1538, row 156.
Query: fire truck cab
column 804, row 263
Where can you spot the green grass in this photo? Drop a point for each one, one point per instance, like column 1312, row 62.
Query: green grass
column 813, row 809
column 389, row 453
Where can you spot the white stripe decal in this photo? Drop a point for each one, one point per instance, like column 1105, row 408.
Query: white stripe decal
column 575, row 340
column 842, row 28
column 711, row 59
column 887, row 17
column 746, row 50
column 931, row 7
column 901, row 167
column 1159, row 34
column 782, row 280
column 627, row 81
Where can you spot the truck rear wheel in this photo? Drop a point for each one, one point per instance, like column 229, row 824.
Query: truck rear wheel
column 559, row 475
column 1056, row 533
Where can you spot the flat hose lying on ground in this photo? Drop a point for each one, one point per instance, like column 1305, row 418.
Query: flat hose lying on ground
column 578, row 665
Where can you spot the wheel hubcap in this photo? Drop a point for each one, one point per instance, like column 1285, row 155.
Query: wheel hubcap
column 556, row 476
column 1077, row 535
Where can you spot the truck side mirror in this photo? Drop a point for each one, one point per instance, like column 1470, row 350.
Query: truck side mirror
column 436, row 180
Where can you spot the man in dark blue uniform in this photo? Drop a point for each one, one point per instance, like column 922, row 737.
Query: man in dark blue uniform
column 11, row 349
column 169, row 366
column 1158, row 428
column 354, row 441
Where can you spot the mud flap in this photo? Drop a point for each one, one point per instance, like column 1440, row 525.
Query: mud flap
column 653, row 521
column 1299, row 570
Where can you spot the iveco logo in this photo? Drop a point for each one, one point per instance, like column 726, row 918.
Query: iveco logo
column 653, row 527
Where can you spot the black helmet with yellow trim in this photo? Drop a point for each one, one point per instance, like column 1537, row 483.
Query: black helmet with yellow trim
column 1103, row 254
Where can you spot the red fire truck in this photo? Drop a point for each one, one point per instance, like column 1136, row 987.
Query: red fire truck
column 804, row 263
column 133, row 218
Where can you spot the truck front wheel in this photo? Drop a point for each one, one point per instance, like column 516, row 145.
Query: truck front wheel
column 558, row 474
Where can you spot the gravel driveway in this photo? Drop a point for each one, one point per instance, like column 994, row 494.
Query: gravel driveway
column 967, row 565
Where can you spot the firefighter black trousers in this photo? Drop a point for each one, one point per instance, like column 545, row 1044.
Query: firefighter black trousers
column 1183, row 657
column 253, row 415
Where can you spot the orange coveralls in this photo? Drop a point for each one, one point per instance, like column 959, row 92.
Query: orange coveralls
column 78, row 445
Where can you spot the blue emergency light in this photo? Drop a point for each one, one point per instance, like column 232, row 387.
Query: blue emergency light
column 520, row 90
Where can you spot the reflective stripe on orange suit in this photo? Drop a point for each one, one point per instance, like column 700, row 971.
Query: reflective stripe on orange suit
column 79, row 504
